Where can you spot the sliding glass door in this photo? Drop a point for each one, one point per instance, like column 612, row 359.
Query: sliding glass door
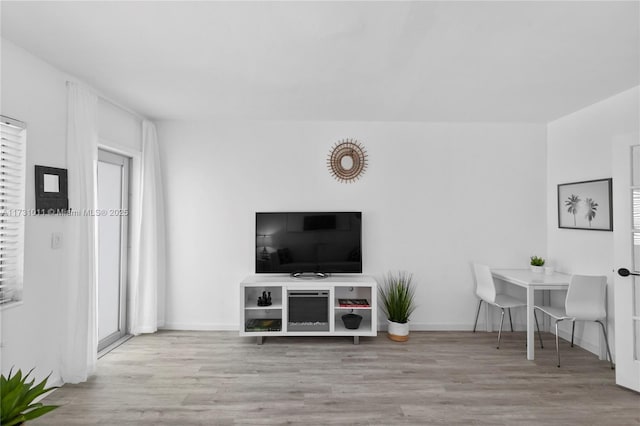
column 113, row 207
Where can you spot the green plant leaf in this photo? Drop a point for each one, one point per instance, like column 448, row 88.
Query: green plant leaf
column 397, row 295
column 38, row 390
column 15, row 380
column 10, row 400
column 23, row 408
column 537, row 261
column 39, row 412
column 15, row 421
column 17, row 395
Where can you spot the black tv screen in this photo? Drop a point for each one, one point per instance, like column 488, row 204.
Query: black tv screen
column 314, row 242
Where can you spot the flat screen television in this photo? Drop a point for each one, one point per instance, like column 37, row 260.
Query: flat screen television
column 308, row 242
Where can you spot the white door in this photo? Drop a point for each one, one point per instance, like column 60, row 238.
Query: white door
column 626, row 224
column 113, row 196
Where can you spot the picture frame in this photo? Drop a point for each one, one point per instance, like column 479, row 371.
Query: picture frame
column 51, row 190
column 586, row 205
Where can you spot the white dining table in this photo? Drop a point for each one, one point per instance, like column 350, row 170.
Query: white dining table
column 532, row 281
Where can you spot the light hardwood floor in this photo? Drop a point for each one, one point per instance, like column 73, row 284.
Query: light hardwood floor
column 436, row 378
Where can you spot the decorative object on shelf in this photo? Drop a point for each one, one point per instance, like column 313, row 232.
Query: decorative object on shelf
column 264, row 324
column 397, row 297
column 353, row 303
column 347, row 160
column 351, row 321
column 586, row 205
column 17, row 396
column 265, row 299
column 51, row 190
column 537, row 264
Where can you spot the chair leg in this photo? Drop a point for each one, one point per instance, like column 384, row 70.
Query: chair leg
column 510, row 322
column 573, row 331
column 500, row 329
column 557, row 344
column 477, row 315
column 606, row 341
column 538, row 327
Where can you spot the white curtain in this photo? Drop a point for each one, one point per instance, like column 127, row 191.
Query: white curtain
column 149, row 256
column 80, row 353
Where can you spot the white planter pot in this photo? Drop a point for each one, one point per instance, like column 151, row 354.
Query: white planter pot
column 398, row 332
column 537, row 269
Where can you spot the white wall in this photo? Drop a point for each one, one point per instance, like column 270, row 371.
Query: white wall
column 35, row 92
column 434, row 198
column 578, row 149
column 118, row 128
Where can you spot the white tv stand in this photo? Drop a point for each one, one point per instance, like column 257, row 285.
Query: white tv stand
column 254, row 318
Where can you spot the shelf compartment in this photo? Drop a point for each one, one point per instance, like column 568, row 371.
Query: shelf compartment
column 252, row 293
column 365, row 324
column 353, row 293
column 254, row 317
column 365, row 328
column 263, row 325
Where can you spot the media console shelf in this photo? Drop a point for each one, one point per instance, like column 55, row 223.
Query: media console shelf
column 301, row 307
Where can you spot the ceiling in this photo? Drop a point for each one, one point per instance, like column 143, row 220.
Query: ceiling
column 361, row 61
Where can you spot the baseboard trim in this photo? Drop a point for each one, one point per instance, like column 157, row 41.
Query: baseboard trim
column 382, row 326
column 200, row 327
column 584, row 344
column 459, row 327
column 419, row 326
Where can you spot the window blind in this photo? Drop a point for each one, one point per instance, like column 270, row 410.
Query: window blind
column 13, row 135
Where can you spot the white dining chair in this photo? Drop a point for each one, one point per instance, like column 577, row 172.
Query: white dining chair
column 585, row 301
column 486, row 291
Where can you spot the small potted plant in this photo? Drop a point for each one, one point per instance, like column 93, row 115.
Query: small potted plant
column 537, row 264
column 16, row 398
column 397, row 297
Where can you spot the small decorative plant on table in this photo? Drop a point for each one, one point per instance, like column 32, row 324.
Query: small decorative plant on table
column 16, row 399
column 537, row 264
column 397, row 296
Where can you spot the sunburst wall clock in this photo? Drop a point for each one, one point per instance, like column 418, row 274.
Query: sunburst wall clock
column 347, row 160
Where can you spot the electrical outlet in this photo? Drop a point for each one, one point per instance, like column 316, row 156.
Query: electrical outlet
column 56, row 240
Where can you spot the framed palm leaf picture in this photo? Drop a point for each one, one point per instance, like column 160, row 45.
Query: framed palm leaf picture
column 586, row 205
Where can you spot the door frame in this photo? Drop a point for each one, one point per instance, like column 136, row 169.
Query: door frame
column 105, row 156
column 626, row 359
column 135, row 168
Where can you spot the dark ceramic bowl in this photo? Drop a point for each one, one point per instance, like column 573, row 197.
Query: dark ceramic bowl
column 351, row 321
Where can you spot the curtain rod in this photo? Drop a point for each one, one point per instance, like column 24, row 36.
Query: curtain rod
column 111, row 101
